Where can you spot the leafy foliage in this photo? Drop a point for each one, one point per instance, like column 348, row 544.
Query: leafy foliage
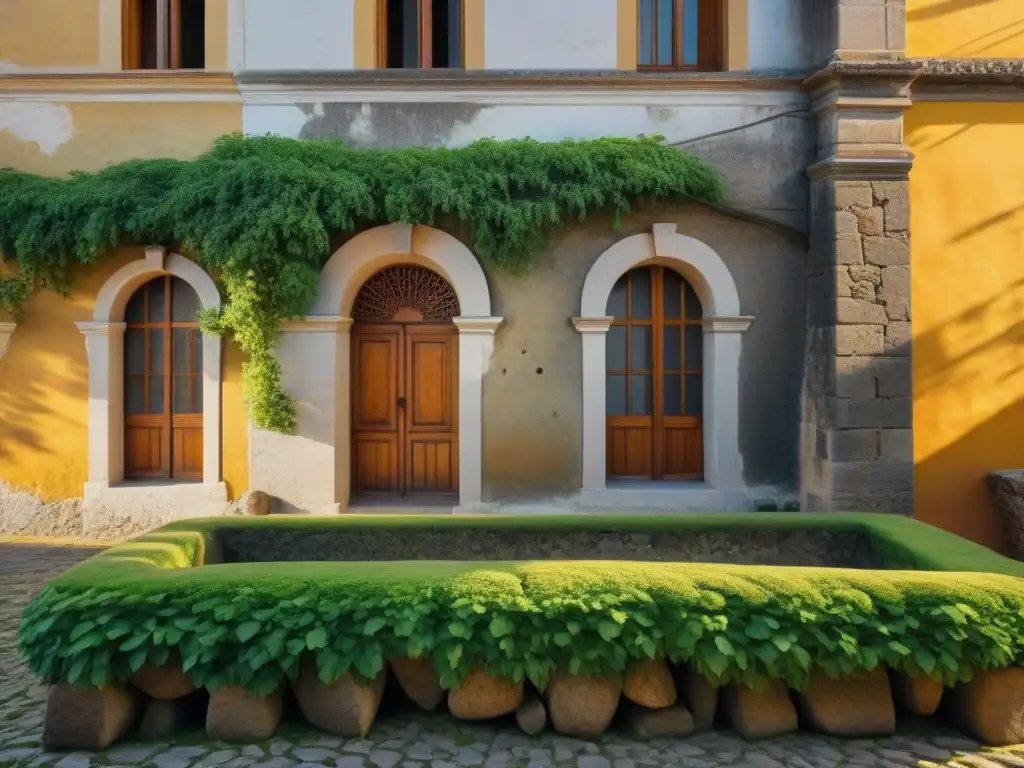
column 259, row 211
column 252, row 624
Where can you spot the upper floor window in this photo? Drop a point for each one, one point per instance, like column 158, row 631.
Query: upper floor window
column 680, row 34
column 164, row 34
column 420, row 34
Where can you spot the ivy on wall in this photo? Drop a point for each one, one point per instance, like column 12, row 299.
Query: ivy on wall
column 258, row 212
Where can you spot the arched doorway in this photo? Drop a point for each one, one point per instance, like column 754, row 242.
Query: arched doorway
column 404, row 386
column 163, row 382
column 654, row 379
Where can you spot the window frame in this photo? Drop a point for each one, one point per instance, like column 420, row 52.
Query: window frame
column 710, row 38
column 168, row 36
column 425, row 20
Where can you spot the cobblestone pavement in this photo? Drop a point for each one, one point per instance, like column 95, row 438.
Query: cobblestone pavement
column 417, row 741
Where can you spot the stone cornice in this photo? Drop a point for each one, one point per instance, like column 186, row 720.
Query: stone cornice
column 457, row 79
column 485, row 326
column 870, row 165
column 970, row 80
column 592, row 324
column 881, row 84
column 172, row 85
column 725, row 324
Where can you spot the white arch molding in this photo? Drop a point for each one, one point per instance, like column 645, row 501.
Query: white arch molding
column 104, row 343
column 315, row 356
column 723, row 328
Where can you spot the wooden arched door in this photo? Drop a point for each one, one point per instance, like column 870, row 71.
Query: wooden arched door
column 654, row 377
column 163, row 382
column 404, row 390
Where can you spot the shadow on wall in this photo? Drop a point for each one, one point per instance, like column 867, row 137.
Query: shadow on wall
column 979, row 377
column 980, row 45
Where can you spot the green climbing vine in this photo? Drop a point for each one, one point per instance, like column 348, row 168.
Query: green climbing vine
column 258, row 212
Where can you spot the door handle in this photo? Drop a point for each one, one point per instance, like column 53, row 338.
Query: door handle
column 401, row 402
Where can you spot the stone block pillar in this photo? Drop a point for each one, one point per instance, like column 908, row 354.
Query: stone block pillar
column 857, row 439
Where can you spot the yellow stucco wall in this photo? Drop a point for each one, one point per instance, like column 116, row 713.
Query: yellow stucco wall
column 965, row 28
column 50, row 33
column 967, row 254
column 44, row 376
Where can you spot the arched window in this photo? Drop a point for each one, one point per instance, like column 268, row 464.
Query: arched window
column 680, row 34
column 655, row 380
column 163, row 382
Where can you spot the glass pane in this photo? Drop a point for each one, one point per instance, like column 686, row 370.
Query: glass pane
column 617, row 348
column 135, row 312
column 641, row 396
column 452, row 49
column 410, row 34
column 617, row 300
column 641, row 293
column 156, row 394
column 180, row 349
column 181, row 393
column 666, row 10
column 694, row 311
column 672, row 355
column 156, row 352
column 157, row 310
column 691, row 28
column 646, row 32
column 615, row 403
column 694, row 395
column 673, row 394
column 135, row 350
column 672, row 294
column 694, row 348
column 184, row 302
column 640, row 355
column 197, row 394
column 135, row 395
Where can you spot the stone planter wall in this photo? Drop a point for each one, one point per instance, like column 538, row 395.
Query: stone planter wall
column 1008, row 487
column 654, row 700
column 780, row 547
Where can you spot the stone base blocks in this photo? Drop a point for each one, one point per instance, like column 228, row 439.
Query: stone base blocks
column 990, row 708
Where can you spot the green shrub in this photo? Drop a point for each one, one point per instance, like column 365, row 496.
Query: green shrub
column 250, row 624
column 259, row 213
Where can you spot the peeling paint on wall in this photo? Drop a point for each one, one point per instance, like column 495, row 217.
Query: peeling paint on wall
column 47, row 125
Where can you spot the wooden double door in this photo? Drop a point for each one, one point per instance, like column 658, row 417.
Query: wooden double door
column 405, row 410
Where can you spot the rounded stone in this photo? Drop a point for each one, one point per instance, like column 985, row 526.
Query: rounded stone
column 257, row 504
column 480, row 697
column 650, row 685
column 583, row 706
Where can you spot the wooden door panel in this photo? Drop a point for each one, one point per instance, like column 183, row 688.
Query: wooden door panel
column 375, row 464
column 629, row 450
column 684, row 452
column 144, row 454
column 375, row 382
column 433, row 465
column 187, row 446
column 430, row 380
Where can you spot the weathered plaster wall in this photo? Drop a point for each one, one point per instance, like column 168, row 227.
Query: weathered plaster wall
column 49, row 33
column 532, row 392
column 967, row 279
column 761, row 142
column 44, row 376
column 44, row 393
column 54, row 138
column 993, row 28
column 300, row 34
column 779, row 34
column 540, row 34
